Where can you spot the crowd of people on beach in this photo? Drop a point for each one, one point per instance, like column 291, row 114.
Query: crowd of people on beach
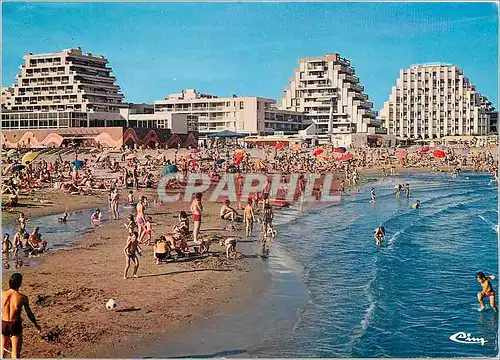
column 107, row 174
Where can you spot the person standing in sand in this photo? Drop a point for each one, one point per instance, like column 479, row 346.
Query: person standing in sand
column 22, row 221
column 140, row 218
column 115, row 198
column 131, row 250
column 13, row 302
column 248, row 218
column 196, row 210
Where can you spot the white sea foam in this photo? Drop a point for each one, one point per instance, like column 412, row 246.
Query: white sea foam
column 368, row 314
column 494, row 226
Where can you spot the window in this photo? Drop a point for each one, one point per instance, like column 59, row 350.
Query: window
column 242, row 105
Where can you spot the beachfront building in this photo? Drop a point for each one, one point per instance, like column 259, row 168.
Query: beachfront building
column 243, row 114
column 493, row 122
column 435, row 100
column 64, row 89
column 329, row 94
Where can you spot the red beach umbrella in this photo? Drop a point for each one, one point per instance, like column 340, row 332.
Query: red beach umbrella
column 345, row 157
column 425, row 149
column 317, row 152
column 439, row 154
column 278, row 145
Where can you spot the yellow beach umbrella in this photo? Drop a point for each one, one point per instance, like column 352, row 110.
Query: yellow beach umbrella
column 259, row 164
column 29, row 157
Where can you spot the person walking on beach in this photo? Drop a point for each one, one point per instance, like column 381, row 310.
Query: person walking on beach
column 196, row 210
column 487, row 290
column 140, row 218
column 132, row 249
column 248, row 218
column 115, row 198
column 13, row 302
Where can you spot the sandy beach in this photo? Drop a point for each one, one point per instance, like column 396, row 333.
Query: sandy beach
column 71, row 307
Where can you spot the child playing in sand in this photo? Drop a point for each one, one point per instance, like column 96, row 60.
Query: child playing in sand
column 487, row 291
column 131, row 250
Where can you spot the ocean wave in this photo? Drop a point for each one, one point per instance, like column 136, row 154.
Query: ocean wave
column 493, row 226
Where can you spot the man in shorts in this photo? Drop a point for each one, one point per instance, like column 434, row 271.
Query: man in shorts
column 131, row 250
column 13, row 302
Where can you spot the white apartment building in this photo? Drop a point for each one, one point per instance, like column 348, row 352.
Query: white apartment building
column 249, row 114
column 329, row 94
column 65, row 89
column 7, row 94
column 435, row 100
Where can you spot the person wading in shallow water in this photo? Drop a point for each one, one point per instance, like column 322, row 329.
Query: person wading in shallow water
column 13, row 302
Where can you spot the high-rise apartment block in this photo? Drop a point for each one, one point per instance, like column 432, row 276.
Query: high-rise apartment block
column 248, row 114
column 435, row 100
column 329, row 94
column 65, row 89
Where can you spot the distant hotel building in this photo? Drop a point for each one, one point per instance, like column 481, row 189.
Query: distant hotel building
column 249, row 114
column 435, row 100
column 326, row 90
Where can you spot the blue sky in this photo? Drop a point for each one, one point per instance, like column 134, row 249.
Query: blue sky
column 251, row 48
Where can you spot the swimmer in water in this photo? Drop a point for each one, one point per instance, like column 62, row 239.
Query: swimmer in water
column 416, row 205
column 379, row 235
column 487, row 290
column 95, row 218
column 373, row 196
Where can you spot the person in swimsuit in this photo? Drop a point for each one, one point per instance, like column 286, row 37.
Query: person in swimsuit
column 131, row 225
column 373, row 196
column 161, row 250
column 115, row 198
column 13, row 302
column 196, row 210
column 17, row 243
column 379, row 235
column 140, row 219
column 227, row 212
column 149, row 229
column 131, row 250
column 487, row 290
column 130, row 197
column 407, row 190
column 6, row 244
column 22, row 221
column 398, row 191
column 95, row 218
column 249, row 218
column 416, row 205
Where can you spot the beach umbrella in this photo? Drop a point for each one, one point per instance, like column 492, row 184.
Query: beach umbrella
column 194, row 151
column 29, row 157
column 131, row 157
column 317, row 152
column 259, row 164
column 425, row 149
column 340, row 150
column 219, row 162
column 278, row 145
column 439, row 154
column 78, row 164
column 345, row 157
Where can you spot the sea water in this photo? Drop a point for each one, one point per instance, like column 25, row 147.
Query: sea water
column 406, row 297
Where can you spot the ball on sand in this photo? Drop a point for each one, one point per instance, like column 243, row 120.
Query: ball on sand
column 111, row 304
